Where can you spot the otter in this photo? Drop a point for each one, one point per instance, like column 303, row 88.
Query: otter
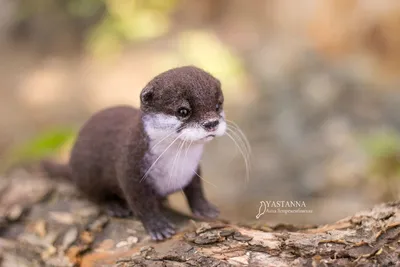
column 130, row 160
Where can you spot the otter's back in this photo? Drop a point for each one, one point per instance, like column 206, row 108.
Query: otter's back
column 97, row 146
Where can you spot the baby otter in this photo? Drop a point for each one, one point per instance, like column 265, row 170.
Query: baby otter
column 131, row 159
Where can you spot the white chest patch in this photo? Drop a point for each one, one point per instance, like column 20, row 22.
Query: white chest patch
column 175, row 168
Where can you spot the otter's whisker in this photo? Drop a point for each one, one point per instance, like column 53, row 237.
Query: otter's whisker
column 173, row 163
column 154, row 163
column 194, row 171
column 159, row 142
column 175, row 160
column 239, row 130
column 234, row 128
column 204, row 179
column 243, row 155
column 187, row 150
column 242, row 143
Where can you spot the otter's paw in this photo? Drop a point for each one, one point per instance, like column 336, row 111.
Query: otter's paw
column 205, row 209
column 158, row 227
column 117, row 209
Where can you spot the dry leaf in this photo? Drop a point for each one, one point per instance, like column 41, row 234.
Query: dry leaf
column 87, row 237
column 46, row 254
column 62, row 217
column 70, row 237
column 40, row 228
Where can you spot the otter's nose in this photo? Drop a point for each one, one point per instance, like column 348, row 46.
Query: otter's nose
column 210, row 125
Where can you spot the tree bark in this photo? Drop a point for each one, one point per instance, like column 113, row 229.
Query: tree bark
column 50, row 224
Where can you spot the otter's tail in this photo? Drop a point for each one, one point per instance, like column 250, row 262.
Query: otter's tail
column 56, row 170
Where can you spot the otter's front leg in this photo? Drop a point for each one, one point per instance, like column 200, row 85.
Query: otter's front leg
column 146, row 205
column 197, row 201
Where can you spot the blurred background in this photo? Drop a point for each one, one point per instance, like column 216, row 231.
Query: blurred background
column 313, row 84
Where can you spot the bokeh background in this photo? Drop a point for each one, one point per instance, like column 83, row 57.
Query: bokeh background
column 313, row 84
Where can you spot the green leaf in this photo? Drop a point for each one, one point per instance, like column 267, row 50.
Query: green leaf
column 43, row 145
column 382, row 144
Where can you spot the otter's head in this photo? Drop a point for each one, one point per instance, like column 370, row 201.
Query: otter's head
column 184, row 102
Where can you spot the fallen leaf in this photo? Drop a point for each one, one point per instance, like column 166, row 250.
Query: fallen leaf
column 69, row 238
column 122, row 244
column 40, row 228
column 51, row 237
column 87, row 237
column 88, row 211
column 33, row 240
column 98, row 224
column 14, row 213
column 72, row 254
column 48, row 252
column 132, row 240
column 62, row 217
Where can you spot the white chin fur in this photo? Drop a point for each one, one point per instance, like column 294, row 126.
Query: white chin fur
column 158, row 126
column 173, row 161
column 199, row 134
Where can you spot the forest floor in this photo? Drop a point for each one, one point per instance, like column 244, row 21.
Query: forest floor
column 43, row 223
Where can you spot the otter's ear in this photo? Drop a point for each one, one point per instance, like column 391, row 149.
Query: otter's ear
column 218, row 83
column 146, row 96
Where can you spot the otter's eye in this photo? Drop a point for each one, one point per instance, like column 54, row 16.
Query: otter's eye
column 183, row 112
column 218, row 107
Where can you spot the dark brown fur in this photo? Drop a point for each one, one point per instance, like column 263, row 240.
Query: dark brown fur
column 107, row 163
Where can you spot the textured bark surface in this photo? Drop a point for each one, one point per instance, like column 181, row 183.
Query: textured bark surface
column 46, row 224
